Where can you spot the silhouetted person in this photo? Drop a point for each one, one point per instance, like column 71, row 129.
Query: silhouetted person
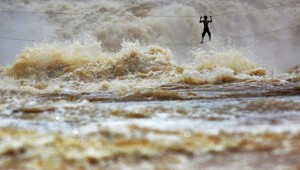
column 206, row 28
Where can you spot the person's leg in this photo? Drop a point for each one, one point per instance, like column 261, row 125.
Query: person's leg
column 203, row 35
column 209, row 35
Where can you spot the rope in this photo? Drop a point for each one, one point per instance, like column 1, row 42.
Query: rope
column 170, row 44
column 263, row 33
column 19, row 39
column 255, row 9
column 154, row 16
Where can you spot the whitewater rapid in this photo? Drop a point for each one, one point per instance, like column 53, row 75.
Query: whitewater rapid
column 163, row 23
column 127, row 85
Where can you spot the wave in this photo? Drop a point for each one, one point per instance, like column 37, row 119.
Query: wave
column 149, row 22
column 49, row 67
column 85, row 62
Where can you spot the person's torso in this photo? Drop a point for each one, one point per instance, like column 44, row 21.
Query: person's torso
column 205, row 23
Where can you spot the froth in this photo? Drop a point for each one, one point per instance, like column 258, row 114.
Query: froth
column 53, row 66
column 215, row 66
column 150, row 22
column 83, row 61
column 232, row 59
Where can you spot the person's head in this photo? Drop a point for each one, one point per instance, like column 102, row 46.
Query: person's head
column 205, row 17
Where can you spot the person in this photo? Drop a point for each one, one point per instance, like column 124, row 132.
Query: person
column 206, row 28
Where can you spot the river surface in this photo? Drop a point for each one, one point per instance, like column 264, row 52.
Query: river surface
column 127, row 85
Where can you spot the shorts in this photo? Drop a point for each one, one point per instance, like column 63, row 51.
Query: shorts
column 206, row 30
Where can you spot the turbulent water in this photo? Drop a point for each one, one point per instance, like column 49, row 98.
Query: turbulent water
column 127, row 85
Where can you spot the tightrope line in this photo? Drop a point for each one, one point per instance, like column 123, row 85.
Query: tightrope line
column 167, row 44
column 154, row 16
column 170, row 44
column 269, row 32
column 19, row 39
column 255, row 9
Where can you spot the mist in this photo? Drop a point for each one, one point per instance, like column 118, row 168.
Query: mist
column 23, row 26
column 117, row 21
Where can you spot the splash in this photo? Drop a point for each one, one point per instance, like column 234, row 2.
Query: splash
column 137, row 88
column 219, row 66
column 149, row 22
column 83, row 61
column 82, row 65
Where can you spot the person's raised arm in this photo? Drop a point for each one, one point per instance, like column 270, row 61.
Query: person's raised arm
column 200, row 19
column 210, row 19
